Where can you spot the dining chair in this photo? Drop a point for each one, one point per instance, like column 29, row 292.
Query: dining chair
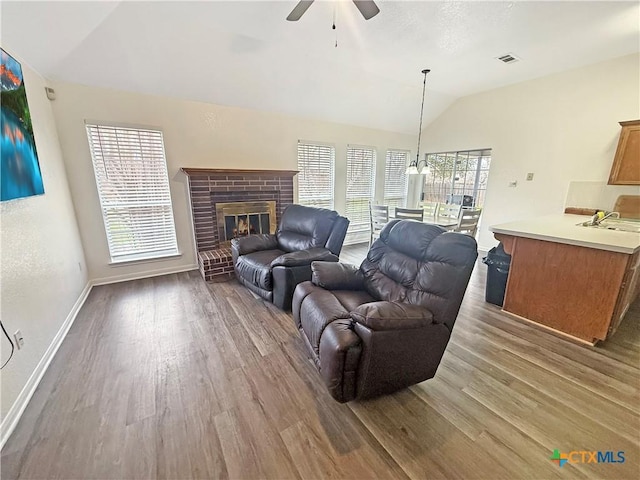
column 449, row 210
column 409, row 214
column 379, row 216
column 468, row 221
column 430, row 208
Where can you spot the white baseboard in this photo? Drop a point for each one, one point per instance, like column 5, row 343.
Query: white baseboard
column 10, row 421
column 138, row 276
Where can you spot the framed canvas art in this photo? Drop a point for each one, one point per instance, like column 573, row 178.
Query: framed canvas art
column 20, row 171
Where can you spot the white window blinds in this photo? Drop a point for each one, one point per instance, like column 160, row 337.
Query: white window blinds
column 361, row 168
column 395, row 178
column 133, row 186
column 316, row 163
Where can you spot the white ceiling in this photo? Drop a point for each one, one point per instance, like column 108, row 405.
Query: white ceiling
column 245, row 54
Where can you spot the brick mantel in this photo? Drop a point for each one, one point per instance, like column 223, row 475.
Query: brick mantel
column 209, row 186
column 223, row 171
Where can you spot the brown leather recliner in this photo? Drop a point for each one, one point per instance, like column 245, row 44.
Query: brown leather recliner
column 272, row 265
column 384, row 326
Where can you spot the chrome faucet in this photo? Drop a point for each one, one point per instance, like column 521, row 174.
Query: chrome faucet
column 596, row 220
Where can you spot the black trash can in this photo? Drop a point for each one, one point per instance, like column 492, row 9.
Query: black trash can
column 498, row 262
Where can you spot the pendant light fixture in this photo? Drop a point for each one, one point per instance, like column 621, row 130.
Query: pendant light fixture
column 414, row 167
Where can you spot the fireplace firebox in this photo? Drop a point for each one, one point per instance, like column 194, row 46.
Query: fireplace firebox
column 240, row 219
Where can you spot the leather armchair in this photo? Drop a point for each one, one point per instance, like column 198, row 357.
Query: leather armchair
column 385, row 326
column 272, row 265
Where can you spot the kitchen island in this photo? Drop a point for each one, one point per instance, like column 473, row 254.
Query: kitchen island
column 575, row 280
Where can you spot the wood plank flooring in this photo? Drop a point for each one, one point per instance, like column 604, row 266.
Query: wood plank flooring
column 170, row 377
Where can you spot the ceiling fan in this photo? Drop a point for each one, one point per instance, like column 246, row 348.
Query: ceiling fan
column 367, row 8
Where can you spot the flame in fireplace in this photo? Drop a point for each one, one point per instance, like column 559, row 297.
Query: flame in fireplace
column 243, row 228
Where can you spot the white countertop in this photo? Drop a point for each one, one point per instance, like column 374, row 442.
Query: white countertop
column 562, row 228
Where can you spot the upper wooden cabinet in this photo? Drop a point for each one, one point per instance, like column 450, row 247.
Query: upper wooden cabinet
column 626, row 164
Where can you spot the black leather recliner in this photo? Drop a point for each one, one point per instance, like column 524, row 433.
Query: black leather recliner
column 272, row 265
column 384, row 326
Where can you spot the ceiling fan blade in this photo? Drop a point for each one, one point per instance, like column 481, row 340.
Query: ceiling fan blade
column 299, row 10
column 368, row 8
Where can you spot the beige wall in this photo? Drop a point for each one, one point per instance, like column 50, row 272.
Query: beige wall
column 195, row 135
column 42, row 267
column 562, row 127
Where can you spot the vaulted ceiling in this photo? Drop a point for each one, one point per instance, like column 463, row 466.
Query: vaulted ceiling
column 245, row 54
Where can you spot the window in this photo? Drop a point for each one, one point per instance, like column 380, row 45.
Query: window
column 396, row 178
column 457, row 177
column 133, row 186
column 316, row 163
column 361, row 168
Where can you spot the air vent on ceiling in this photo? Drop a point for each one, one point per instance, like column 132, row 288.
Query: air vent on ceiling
column 508, row 58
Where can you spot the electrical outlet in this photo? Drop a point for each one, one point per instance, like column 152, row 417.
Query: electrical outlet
column 529, row 177
column 19, row 339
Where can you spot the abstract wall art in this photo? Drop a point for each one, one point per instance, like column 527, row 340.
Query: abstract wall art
column 20, row 171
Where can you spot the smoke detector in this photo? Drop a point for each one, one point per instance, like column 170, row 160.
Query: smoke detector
column 508, row 58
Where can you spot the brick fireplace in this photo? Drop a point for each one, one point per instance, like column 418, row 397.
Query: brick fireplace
column 263, row 192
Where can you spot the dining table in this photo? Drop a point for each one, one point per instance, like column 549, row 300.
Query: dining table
column 448, row 223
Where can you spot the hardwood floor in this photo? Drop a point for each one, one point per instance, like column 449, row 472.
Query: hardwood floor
column 169, row 377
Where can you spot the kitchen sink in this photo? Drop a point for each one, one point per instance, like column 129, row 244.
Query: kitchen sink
column 623, row 225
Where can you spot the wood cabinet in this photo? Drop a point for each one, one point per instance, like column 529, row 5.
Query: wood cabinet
column 578, row 291
column 626, row 164
column 628, row 292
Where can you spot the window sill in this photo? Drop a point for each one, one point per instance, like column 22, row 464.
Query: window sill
column 135, row 259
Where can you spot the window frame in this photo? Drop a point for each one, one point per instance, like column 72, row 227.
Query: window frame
column 388, row 200
column 141, row 151
column 359, row 227
column 330, row 199
column 448, row 187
